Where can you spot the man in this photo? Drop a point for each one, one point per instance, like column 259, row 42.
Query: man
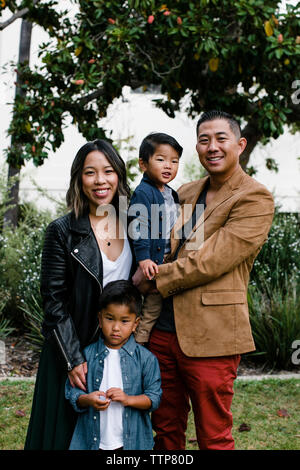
column 204, row 324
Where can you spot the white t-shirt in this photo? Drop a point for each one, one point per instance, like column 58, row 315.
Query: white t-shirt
column 111, row 419
column 118, row 269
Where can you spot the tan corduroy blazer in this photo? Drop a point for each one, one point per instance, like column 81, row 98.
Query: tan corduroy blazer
column 209, row 279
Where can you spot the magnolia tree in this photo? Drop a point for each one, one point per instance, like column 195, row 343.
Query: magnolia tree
column 242, row 57
column 44, row 15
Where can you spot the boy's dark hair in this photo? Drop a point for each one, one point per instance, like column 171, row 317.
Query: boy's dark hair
column 216, row 114
column 149, row 144
column 121, row 293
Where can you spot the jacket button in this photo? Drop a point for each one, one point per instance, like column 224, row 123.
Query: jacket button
column 158, row 248
column 76, row 251
column 156, row 261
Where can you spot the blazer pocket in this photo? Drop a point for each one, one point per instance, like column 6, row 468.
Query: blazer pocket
column 223, row 298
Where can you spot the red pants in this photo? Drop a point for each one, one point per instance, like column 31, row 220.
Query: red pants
column 207, row 382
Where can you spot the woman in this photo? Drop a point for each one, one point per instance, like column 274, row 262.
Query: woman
column 83, row 251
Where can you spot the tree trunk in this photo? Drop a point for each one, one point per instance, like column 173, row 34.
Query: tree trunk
column 11, row 215
column 252, row 134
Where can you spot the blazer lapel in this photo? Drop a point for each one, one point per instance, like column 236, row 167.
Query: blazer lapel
column 185, row 212
column 225, row 192
column 230, row 186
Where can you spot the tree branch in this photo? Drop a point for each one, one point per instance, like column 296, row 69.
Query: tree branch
column 16, row 16
column 160, row 74
column 101, row 91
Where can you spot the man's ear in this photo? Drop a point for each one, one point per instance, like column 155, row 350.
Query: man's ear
column 242, row 144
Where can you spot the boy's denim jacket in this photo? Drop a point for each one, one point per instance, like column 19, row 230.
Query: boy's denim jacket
column 151, row 246
column 140, row 375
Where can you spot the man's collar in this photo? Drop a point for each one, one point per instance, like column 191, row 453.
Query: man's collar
column 236, row 178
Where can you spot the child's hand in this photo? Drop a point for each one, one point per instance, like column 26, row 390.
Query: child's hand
column 141, row 402
column 117, row 394
column 98, row 400
column 149, row 268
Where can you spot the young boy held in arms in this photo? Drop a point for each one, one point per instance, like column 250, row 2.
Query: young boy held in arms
column 123, row 379
column 159, row 156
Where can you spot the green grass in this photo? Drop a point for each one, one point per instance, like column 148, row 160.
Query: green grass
column 255, row 403
column 15, row 399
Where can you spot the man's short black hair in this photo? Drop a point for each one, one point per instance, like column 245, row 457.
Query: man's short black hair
column 121, row 293
column 216, row 114
column 149, row 144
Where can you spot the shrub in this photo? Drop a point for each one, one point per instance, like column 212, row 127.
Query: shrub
column 275, row 321
column 6, row 327
column 280, row 256
column 33, row 314
column 20, row 258
column 273, row 294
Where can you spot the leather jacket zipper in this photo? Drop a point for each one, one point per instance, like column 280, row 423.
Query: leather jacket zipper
column 69, row 367
column 87, row 271
column 94, row 278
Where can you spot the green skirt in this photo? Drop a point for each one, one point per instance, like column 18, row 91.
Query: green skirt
column 52, row 419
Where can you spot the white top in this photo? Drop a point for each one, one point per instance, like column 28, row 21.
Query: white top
column 118, row 269
column 111, row 419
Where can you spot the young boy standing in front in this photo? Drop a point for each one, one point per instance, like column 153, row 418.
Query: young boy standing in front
column 123, row 379
column 159, row 156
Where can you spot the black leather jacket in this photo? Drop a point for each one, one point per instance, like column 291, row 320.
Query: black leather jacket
column 71, row 283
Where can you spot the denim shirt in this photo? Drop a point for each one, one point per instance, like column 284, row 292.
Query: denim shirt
column 140, row 375
column 151, row 223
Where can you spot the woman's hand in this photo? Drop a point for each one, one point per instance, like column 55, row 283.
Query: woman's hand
column 77, row 376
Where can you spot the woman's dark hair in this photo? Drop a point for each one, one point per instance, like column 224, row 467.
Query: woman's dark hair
column 76, row 199
column 149, row 144
column 121, row 293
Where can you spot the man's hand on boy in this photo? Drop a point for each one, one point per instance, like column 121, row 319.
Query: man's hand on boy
column 149, row 268
column 142, row 283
